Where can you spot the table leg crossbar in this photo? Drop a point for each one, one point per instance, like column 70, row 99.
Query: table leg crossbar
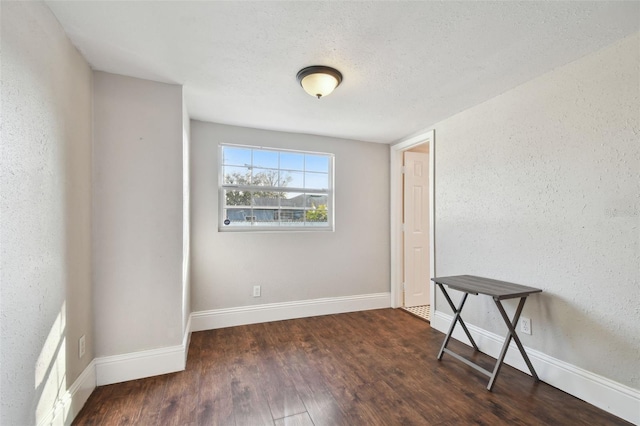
column 511, row 324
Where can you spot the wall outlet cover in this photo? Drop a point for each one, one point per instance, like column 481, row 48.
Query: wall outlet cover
column 81, row 346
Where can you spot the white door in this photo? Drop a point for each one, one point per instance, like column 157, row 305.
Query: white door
column 416, row 229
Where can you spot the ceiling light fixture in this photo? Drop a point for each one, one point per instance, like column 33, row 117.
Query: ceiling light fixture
column 319, row 80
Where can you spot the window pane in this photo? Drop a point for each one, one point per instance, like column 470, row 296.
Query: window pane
column 317, row 215
column 291, row 217
column 316, row 180
column 264, row 177
column 316, row 163
column 265, row 217
column 236, row 175
column 265, row 159
column 315, row 200
column 291, row 179
column 236, row 156
column 237, row 216
column 292, row 199
column 237, row 198
column 266, row 199
column 290, row 161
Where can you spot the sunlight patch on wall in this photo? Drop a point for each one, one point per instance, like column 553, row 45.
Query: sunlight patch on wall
column 51, row 368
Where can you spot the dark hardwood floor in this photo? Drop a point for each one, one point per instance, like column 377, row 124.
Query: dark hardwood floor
column 365, row 368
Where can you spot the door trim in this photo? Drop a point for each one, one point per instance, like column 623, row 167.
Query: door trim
column 396, row 214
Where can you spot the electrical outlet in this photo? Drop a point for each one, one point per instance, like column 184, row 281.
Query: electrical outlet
column 525, row 325
column 81, row 346
column 256, row 291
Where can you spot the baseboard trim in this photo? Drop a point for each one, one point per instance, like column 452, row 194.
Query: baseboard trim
column 186, row 339
column 138, row 365
column 231, row 317
column 67, row 407
column 613, row 397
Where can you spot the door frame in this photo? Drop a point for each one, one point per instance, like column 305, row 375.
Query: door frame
column 396, row 189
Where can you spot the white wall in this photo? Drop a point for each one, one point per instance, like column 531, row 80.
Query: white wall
column 290, row 266
column 45, row 172
column 540, row 186
column 137, row 214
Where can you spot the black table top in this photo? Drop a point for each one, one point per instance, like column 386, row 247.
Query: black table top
column 478, row 285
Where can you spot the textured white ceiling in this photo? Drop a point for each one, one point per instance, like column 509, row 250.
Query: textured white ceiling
column 406, row 65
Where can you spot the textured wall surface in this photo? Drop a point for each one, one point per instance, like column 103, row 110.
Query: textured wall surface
column 541, row 186
column 45, row 175
column 137, row 220
column 290, row 266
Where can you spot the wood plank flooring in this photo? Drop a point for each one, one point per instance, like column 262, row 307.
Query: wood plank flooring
column 364, row 368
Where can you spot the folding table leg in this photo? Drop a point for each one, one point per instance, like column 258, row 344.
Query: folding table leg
column 511, row 324
column 456, row 318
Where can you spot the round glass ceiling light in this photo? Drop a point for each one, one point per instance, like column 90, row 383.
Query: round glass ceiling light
column 318, row 80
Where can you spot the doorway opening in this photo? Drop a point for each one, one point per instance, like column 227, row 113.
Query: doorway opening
column 412, row 225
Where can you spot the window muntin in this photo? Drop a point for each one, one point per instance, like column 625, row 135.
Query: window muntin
column 270, row 189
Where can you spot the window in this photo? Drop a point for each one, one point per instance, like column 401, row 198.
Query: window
column 269, row 189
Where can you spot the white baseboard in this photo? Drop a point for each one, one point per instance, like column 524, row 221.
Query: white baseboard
column 68, row 406
column 230, row 317
column 138, row 365
column 186, row 340
column 613, row 397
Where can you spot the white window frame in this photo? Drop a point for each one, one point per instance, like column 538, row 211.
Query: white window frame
column 222, row 227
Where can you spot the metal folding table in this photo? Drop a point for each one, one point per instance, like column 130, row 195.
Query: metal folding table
column 498, row 290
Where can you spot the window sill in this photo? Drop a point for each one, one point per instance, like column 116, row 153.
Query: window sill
column 279, row 230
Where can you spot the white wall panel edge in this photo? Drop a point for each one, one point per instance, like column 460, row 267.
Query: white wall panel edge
column 613, row 397
column 186, row 339
column 243, row 315
column 138, row 365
